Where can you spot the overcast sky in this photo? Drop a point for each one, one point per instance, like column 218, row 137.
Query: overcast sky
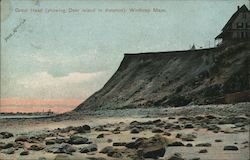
column 68, row 56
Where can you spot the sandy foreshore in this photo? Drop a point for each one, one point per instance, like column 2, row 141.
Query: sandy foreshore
column 212, row 132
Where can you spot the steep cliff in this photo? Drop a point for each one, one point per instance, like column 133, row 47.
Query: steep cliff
column 174, row 78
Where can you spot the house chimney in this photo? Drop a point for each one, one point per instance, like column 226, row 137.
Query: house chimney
column 238, row 7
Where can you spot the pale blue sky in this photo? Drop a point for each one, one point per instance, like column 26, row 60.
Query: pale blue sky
column 72, row 55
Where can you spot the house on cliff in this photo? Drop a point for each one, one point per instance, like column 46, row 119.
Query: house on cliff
column 237, row 28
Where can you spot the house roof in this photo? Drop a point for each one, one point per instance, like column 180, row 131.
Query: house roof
column 220, row 35
column 234, row 16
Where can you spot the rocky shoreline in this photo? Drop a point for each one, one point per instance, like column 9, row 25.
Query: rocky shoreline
column 190, row 133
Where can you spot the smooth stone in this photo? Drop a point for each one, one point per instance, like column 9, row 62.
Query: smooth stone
column 116, row 132
column 5, row 135
column 153, row 152
column 167, row 134
column 36, row 147
column 119, row 144
column 203, row 151
column 188, row 126
column 189, row 145
column 22, row 139
column 109, row 140
column 107, row 150
column 8, row 151
column 90, row 148
column 218, row 140
column 135, row 131
column 50, row 142
column 83, row 129
column 188, row 137
column 117, row 155
column 196, row 158
column 78, row 140
column 100, row 136
column 203, row 145
column 152, row 147
column 24, row 153
column 176, row 156
column 178, row 127
column 171, row 117
column 230, row 148
column 5, row 146
column 65, row 148
column 157, row 130
column 175, row 144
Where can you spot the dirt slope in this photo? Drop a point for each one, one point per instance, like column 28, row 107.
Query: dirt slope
column 174, row 78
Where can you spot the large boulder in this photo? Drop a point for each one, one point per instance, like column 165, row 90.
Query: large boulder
column 157, row 130
column 213, row 127
column 90, row 148
column 5, row 135
column 203, row 151
column 78, row 140
column 153, row 147
column 36, row 147
column 186, row 137
column 113, row 152
column 152, row 152
column 65, row 148
column 83, row 129
column 188, row 126
column 141, row 148
column 5, row 146
column 100, row 136
column 61, row 140
column 8, row 151
column 22, row 139
column 176, row 156
column 37, row 138
column 107, row 150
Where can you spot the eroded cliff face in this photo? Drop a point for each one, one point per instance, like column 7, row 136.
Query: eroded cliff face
column 174, row 78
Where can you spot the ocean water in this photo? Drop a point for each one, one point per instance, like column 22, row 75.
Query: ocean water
column 23, row 116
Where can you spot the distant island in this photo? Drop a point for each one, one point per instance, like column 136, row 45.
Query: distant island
column 48, row 113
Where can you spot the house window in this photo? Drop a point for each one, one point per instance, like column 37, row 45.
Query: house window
column 247, row 25
column 244, row 15
column 240, row 25
column 242, row 34
column 238, row 35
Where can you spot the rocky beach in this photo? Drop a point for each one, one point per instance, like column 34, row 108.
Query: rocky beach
column 180, row 92
column 207, row 132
